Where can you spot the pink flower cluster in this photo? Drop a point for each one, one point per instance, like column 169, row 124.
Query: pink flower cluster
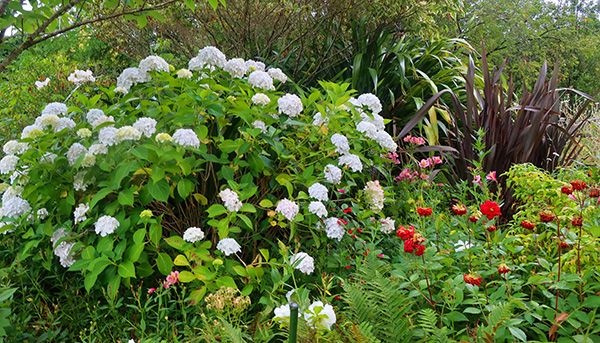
column 406, row 174
column 392, row 156
column 414, row 140
column 428, row 162
column 171, row 280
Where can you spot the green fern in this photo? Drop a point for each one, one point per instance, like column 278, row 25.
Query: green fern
column 428, row 322
column 499, row 314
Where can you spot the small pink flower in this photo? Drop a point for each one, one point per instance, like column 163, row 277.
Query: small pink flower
column 436, row 160
column 380, row 255
column 405, row 174
column 151, row 290
column 418, row 141
column 171, row 279
column 572, row 197
column 341, row 191
column 477, row 180
column 491, row 176
column 348, row 267
column 407, row 138
column 424, row 163
column 424, row 176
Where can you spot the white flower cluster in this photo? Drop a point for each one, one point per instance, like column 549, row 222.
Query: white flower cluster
column 145, row 125
column 352, row 161
column 236, row 67
column 184, row 74
column 254, row 65
column 49, row 119
column 229, row 246
column 261, row 79
column 84, row 133
column 193, row 234
column 130, row 77
column 8, row 164
column 163, row 137
column 186, row 138
column 320, row 315
column 373, row 127
column 319, row 120
column 260, row 99
column 334, row 229
column 288, row 209
column 106, row 225
column 290, row 104
column 75, row 151
column 41, row 84
column 79, row 183
column 15, row 148
column 13, row 205
column 208, row 57
column 128, row 133
column 317, row 208
column 231, row 200
column 107, row 136
column 374, row 194
column 277, row 74
column 63, row 249
column 388, row 225
column 282, row 313
column 318, row 191
column 303, row 262
column 80, row 213
column 333, row 174
column 259, row 124
column 42, row 213
column 341, row 143
column 79, row 76
column 153, row 63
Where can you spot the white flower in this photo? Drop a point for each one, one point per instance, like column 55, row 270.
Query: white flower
column 121, row 90
column 208, row 56
column 147, row 126
column 32, row 131
column 259, row 124
column 334, row 229
column 387, row 225
column 261, row 99
column 377, row 120
column 374, row 194
column 63, row 249
column 163, row 137
column 193, row 235
column 98, row 149
column 153, row 63
column 290, row 104
column 8, row 164
column 48, row 158
column 460, row 246
column 84, row 133
column 288, row 209
column 282, row 313
column 261, row 79
column 102, row 120
column 106, row 225
column 75, row 151
column 79, row 76
column 319, row 120
column 236, row 67
column 79, row 183
column 12, row 191
column 386, row 141
column 55, row 108
column 130, row 77
column 88, row 160
column 341, row 143
column 20, row 176
column 277, row 74
column 128, row 133
column 64, row 123
column 106, row 136
column 368, row 128
column 42, row 84
column 229, row 246
column 254, row 65
column 186, row 137
column 320, row 315
column 318, row 191
column 80, row 212
column 317, row 208
column 94, row 114
column 371, row 101
column 333, row 174
column 352, row 161
column 231, row 200
column 184, row 74
column 46, row 120
column 15, row 148
column 303, row 262
column 42, row 213
column 14, row 206
column 289, row 294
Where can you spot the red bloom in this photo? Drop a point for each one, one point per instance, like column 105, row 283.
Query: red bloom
column 491, row 228
column 490, row 209
column 367, row 252
column 578, row 185
column 472, row 279
column 409, row 247
column 341, row 191
column 459, row 209
column 424, row 212
column 405, row 233
column 473, row 219
column 577, row 221
column 347, row 210
column 547, row 217
column 381, row 255
column 503, row 269
column 594, row 193
column 337, row 297
column 563, row 245
column 566, row 190
column 527, row 225
column 342, row 222
column 420, row 250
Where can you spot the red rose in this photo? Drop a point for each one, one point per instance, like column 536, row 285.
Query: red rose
column 490, row 209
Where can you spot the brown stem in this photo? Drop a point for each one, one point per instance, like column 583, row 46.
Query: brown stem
column 559, row 261
column 428, row 286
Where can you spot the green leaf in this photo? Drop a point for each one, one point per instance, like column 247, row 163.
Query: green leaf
column 142, row 21
column 266, row 203
column 216, row 210
column 164, row 263
column 175, row 241
column 99, row 196
column 90, row 280
column 248, row 208
column 256, row 162
column 185, row 276
column 592, row 301
column 457, row 317
column 214, row 4
column 159, row 190
column 181, row 260
column 241, row 271
column 228, row 173
column 472, row 310
column 155, row 233
column 184, row 187
column 544, row 264
column 139, row 235
column 516, row 332
column 246, row 221
column 126, row 269
column 126, row 197
column 226, row 281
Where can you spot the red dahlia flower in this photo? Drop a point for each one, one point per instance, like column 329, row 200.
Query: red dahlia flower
column 490, row 209
column 472, row 279
column 547, row 217
column 503, row 268
column 424, row 212
column 578, row 185
column 473, row 219
column 527, row 225
column 566, row 190
column 409, row 247
column 420, row 250
column 404, row 233
column 459, row 209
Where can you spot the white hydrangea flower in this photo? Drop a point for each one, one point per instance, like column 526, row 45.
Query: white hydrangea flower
column 334, row 229
column 277, row 74
column 352, row 161
column 318, row 191
column 319, row 120
column 288, row 209
column 290, row 104
column 94, row 114
column 20, row 176
column 333, row 174
column 261, row 99
column 107, row 137
column 147, row 126
column 388, row 225
column 103, row 119
column 79, row 183
column 460, row 246
column 153, row 63
column 229, row 246
column 98, row 149
column 163, row 137
column 259, row 124
column 42, row 213
column 55, row 108
column 106, row 225
column 386, row 141
column 75, row 151
column 89, row 160
column 186, row 138
column 377, row 120
column 374, row 194
column 79, row 76
column 63, row 249
column 121, row 90
column 13, row 147
column 236, row 67
column 128, row 133
column 184, row 74
column 130, row 77
column 317, row 208
column 303, row 262
column 208, row 57
column 32, row 131
column 80, row 212
column 282, row 313
column 64, row 123
column 254, row 65
column 193, row 235
column 368, row 129
column 341, row 143
column 371, row 101
column 312, row 319
column 48, row 158
column 13, row 191
column 261, row 79
column 84, row 133
column 42, row 84
column 231, row 200
column 8, row 164
column 14, row 206
column 46, row 120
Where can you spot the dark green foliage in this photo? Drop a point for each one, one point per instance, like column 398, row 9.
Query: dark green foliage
column 428, row 321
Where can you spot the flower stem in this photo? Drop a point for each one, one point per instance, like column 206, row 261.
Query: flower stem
column 428, row 286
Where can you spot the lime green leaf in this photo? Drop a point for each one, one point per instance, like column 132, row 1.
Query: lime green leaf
column 185, row 276
column 126, row 269
column 181, row 260
column 159, row 190
column 184, row 187
column 165, row 265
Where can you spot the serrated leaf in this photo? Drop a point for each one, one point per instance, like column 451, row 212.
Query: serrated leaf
column 164, row 263
column 159, row 190
column 126, row 269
